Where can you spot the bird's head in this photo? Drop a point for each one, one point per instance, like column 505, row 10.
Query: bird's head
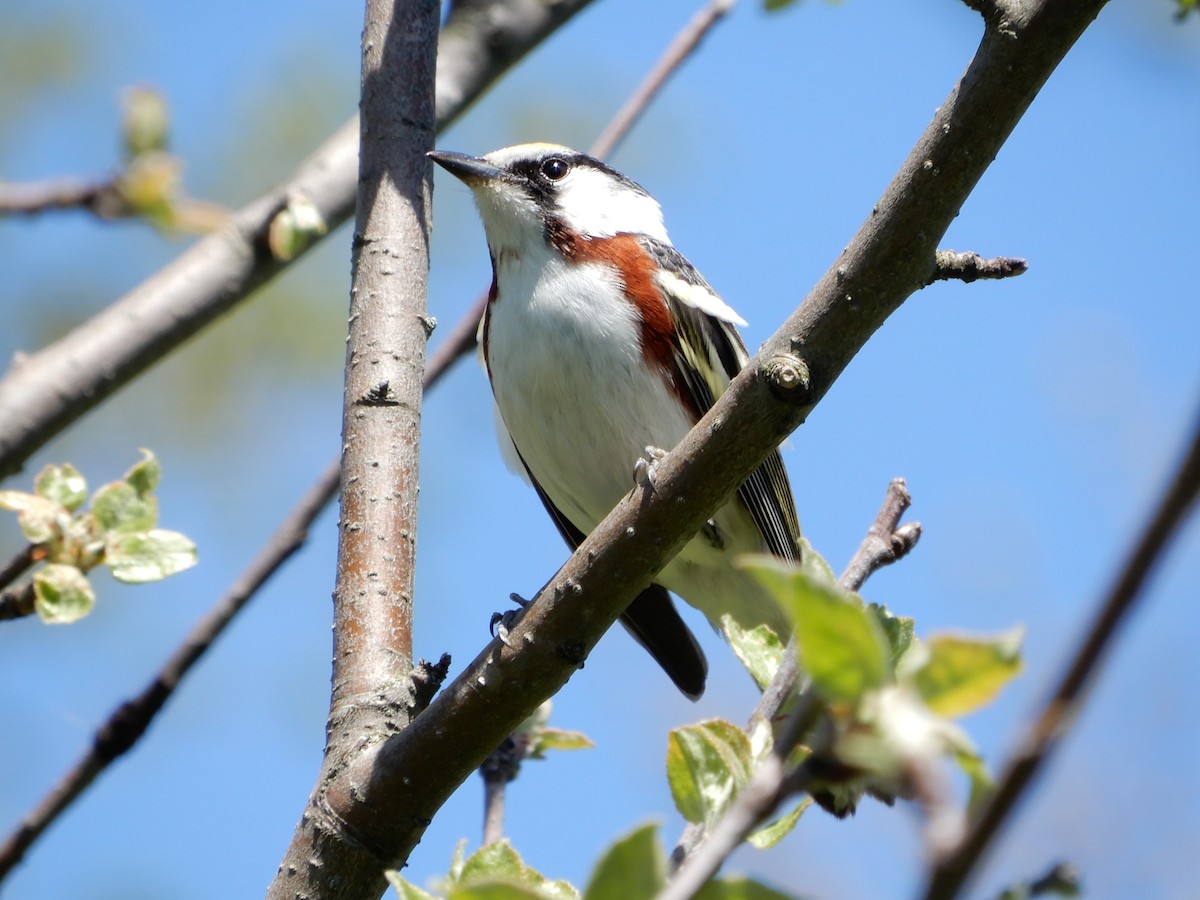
column 531, row 191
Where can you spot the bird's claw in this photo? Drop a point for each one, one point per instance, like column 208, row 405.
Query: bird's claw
column 646, row 468
column 501, row 623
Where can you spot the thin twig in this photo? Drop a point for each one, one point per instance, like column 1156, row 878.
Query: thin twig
column 129, row 721
column 502, row 766
column 20, row 562
column 951, row 265
column 103, row 198
column 886, row 540
column 17, row 602
column 951, row 872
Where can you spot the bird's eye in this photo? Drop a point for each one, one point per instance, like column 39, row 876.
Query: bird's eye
column 554, row 168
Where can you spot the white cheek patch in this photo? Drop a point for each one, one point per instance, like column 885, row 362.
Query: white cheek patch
column 697, row 296
column 594, row 203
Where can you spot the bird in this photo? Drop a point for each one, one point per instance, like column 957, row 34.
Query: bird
column 604, row 346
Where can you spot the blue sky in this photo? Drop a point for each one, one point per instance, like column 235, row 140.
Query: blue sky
column 1035, row 420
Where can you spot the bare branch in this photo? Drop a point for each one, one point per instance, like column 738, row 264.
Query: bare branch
column 886, row 540
column 952, row 265
column 20, row 562
column 46, row 391
column 128, row 722
column 501, row 766
column 26, row 198
column 951, row 872
column 17, row 602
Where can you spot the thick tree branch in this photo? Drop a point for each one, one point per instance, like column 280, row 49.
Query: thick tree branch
column 884, row 263
column 952, row 871
column 43, row 393
column 381, row 435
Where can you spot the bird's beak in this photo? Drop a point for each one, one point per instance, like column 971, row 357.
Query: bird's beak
column 469, row 169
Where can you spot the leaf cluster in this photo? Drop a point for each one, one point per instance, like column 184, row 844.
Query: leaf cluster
column 116, row 531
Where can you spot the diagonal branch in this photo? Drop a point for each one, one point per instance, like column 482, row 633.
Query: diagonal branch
column 43, row 393
column 950, row 873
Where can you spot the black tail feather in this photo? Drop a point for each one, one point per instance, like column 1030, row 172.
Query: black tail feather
column 655, row 624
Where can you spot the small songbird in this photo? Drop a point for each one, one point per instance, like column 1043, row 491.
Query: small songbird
column 602, row 343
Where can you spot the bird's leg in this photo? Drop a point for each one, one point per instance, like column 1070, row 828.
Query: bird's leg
column 502, row 622
column 647, row 465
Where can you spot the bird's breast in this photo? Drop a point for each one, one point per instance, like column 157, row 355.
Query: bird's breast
column 572, row 384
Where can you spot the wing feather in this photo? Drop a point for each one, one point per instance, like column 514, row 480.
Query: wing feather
column 709, row 352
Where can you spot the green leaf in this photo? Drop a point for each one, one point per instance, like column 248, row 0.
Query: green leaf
column 457, row 861
column 980, row 779
column 964, row 674
column 776, row 5
column 633, row 868
column 39, row 519
column 144, row 121
column 558, row 739
column 707, row 764
column 495, row 890
column 496, row 870
column 62, row 594
column 118, row 506
column 813, row 565
column 143, row 476
column 739, row 888
column 770, row 835
column 899, row 631
column 64, row 485
column 136, row 557
column 840, row 645
column 405, row 889
column 294, row 227
column 759, row 649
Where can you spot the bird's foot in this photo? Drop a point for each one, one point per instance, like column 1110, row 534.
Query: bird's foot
column 501, row 622
column 646, row 467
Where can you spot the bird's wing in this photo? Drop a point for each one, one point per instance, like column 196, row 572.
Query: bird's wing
column 708, row 352
column 651, row 619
